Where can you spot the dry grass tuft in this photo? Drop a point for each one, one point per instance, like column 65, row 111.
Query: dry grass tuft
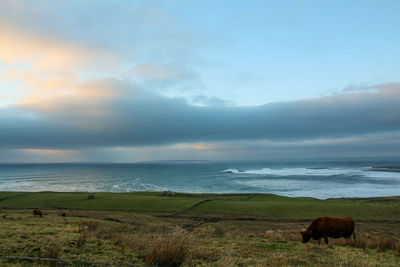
column 92, row 226
column 135, row 243
column 366, row 242
column 219, row 231
column 170, row 249
column 83, row 234
column 384, row 244
column 104, row 231
column 52, row 251
column 273, row 235
column 226, row 261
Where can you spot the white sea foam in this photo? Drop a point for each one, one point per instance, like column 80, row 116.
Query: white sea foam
column 319, row 189
column 331, row 181
column 367, row 172
column 382, row 174
column 296, row 171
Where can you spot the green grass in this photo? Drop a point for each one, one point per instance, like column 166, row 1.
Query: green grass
column 122, row 228
column 4, row 195
column 145, row 202
column 243, row 244
column 276, row 207
column 267, row 206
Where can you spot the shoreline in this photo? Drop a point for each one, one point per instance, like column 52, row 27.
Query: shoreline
column 198, row 194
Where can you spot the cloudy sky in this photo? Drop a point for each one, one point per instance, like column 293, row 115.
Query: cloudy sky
column 125, row 81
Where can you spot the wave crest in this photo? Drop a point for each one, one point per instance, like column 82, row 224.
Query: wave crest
column 366, row 172
column 230, row 171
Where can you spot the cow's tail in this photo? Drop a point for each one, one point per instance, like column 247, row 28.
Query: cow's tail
column 354, row 236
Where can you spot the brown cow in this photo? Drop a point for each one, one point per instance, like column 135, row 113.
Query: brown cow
column 37, row 212
column 324, row 227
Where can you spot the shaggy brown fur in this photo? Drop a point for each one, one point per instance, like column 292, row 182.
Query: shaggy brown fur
column 324, row 227
column 37, row 212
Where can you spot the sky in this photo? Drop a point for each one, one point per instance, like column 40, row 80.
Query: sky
column 128, row 81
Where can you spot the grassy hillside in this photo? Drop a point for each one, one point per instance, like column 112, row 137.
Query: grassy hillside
column 277, row 207
column 230, row 230
column 258, row 205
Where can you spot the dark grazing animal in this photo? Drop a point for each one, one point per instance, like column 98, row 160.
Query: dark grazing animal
column 324, row 227
column 37, row 212
column 167, row 194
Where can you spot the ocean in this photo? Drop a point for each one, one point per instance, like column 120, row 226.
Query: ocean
column 318, row 179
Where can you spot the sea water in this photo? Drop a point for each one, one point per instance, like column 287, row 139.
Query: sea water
column 319, row 179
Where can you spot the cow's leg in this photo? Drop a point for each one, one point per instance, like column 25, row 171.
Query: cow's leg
column 326, row 240
column 354, row 236
column 319, row 241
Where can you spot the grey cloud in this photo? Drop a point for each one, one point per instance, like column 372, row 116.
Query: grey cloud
column 210, row 101
column 141, row 118
column 354, row 88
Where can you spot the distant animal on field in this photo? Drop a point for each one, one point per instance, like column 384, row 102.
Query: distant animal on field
column 91, row 197
column 324, row 227
column 37, row 212
column 167, row 194
column 63, row 214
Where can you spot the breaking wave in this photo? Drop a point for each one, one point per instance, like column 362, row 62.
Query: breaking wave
column 314, row 179
column 367, row 171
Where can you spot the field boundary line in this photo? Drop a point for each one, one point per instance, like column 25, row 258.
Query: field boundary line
column 204, row 201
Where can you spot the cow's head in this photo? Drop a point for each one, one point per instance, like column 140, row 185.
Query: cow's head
column 305, row 236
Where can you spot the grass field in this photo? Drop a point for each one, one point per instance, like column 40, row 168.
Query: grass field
column 188, row 230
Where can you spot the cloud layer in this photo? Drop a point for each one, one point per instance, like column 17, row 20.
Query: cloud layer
column 129, row 116
column 125, row 78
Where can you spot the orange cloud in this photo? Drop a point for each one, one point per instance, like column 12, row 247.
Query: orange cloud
column 49, row 151
column 42, row 53
column 195, row 146
column 199, row 146
column 48, row 71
